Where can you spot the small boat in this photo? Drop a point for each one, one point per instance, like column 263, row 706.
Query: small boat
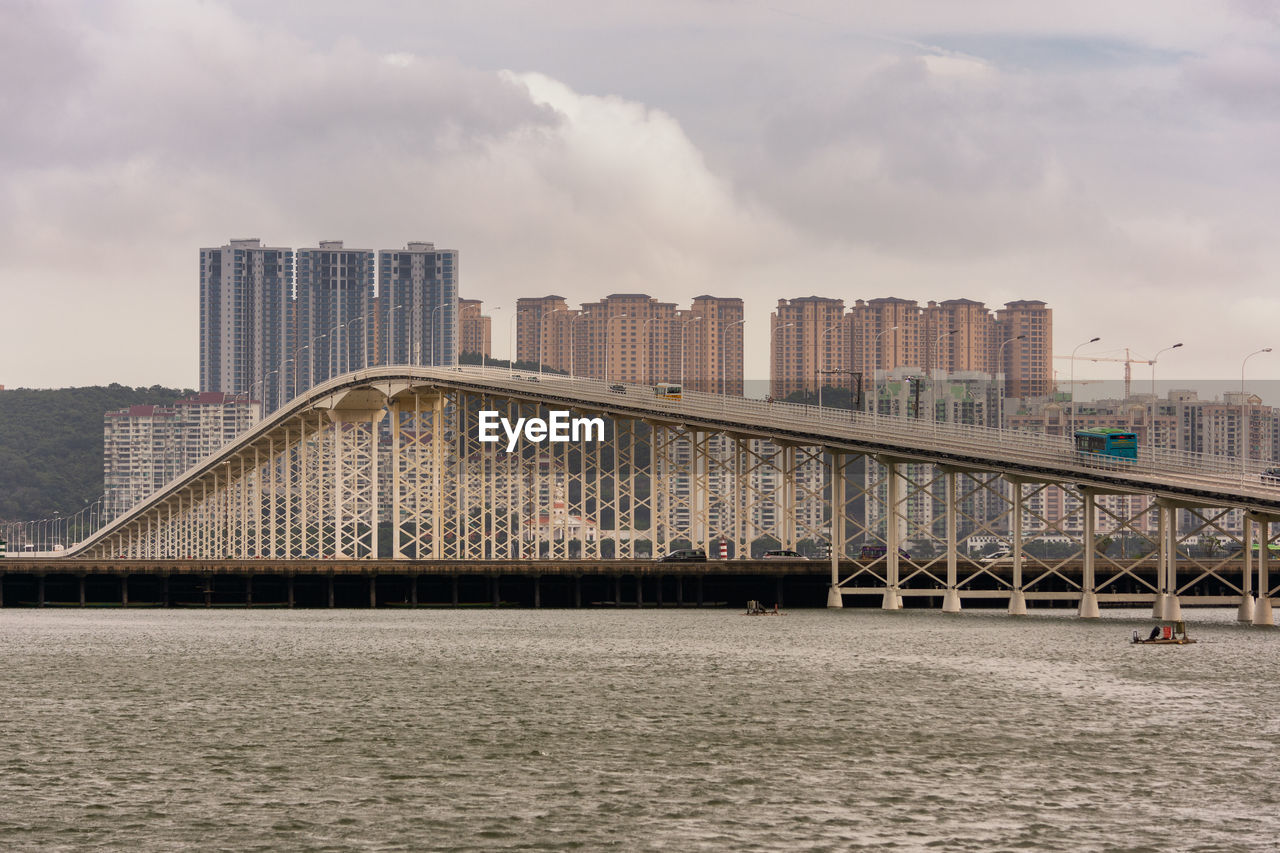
column 1172, row 634
column 755, row 608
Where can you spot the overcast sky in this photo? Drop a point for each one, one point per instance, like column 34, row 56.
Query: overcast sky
column 1120, row 161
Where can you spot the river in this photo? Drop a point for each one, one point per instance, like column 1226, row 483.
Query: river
column 633, row 730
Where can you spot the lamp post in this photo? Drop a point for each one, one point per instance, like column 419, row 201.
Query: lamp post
column 773, row 342
column 648, row 351
column 310, row 372
column 724, row 352
column 1000, row 364
column 937, row 362
column 262, row 386
column 1244, row 432
column 1151, row 423
column 1071, row 423
column 511, row 342
column 607, row 324
column 875, row 345
column 346, row 349
column 542, row 337
column 684, row 324
column 431, row 356
column 822, row 355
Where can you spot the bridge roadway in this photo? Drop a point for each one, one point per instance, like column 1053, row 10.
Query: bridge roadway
column 1189, row 479
column 41, row 581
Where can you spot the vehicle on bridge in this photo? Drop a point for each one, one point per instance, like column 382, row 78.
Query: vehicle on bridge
column 685, row 555
column 667, row 391
column 1107, row 441
column 783, row 555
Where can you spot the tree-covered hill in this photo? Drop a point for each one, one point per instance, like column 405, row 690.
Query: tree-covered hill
column 51, row 445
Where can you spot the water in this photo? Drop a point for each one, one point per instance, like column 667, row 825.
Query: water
column 641, row 730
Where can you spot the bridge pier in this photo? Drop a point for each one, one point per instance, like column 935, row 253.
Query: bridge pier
column 1088, row 583
column 834, row 597
column 1262, row 607
column 124, row 590
column 951, row 598
column 208, row 590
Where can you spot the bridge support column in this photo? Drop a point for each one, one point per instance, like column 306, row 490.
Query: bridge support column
column 892, row 600
column 208, row 590
column 1166, row 605
column 1088, row 588
column 1245, row 612
column 951, row 598
column 124, row 590
column 1017, row 596
column 40, row 590
column 834, row 598
column 1262, row 607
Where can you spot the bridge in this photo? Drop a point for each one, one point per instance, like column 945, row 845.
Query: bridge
column 389, row 466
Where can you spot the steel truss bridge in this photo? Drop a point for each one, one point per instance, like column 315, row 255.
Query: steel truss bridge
column 386, row 464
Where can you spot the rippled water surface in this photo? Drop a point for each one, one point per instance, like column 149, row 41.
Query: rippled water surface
column 681, row 730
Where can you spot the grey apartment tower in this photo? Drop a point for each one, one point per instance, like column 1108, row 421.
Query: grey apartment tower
column 246, row 292
column 418, row 305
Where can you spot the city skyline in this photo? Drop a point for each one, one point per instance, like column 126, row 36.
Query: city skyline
column 1119, row 166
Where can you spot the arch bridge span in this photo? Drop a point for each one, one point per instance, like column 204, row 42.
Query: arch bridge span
column 388, row 463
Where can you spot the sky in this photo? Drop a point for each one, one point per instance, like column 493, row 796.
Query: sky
column 1120, row 161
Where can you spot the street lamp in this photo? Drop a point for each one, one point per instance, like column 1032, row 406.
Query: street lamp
column 684, row 324
column 346, row 349
column 822, row 354
column 542, row 337
column 1071, row 424
column 607, row 324
column 1244, row 433
column 431, row 356
column 648, row 351
column 511, row 341
column 937, row 361
column 1000, row 364
column 262, row 385
column 773, row 342
column 724, row 352
column 310, row 370
column 1151, row 424
column 875, row 346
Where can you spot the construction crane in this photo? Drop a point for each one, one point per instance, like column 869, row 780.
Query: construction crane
column 1128, row 363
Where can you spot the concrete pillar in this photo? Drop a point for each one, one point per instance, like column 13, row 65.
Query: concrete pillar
column 1017, row 596
column 1088, row 584
column 1172, row 607
column 951, row 598
column 1245, row 612
column 1262, row 607
column 892, row 600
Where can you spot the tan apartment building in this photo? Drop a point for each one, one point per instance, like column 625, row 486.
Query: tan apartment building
column 475, row 330
column 1027, row 362
column 806, row 335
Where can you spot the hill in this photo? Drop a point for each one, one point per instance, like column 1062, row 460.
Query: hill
column 51, row 445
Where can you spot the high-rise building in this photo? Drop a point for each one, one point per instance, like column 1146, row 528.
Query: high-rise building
column 884, row 334
column 145, row 447
column 418, row 305
column 475, row 330
column 245, row 321
column 544, row 331
column 713, row 346
column 617, row 337
column 807, row 335
column 1024, row 331
column 334, row 310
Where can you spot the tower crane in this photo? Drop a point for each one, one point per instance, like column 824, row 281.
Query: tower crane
column 1128, row 360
